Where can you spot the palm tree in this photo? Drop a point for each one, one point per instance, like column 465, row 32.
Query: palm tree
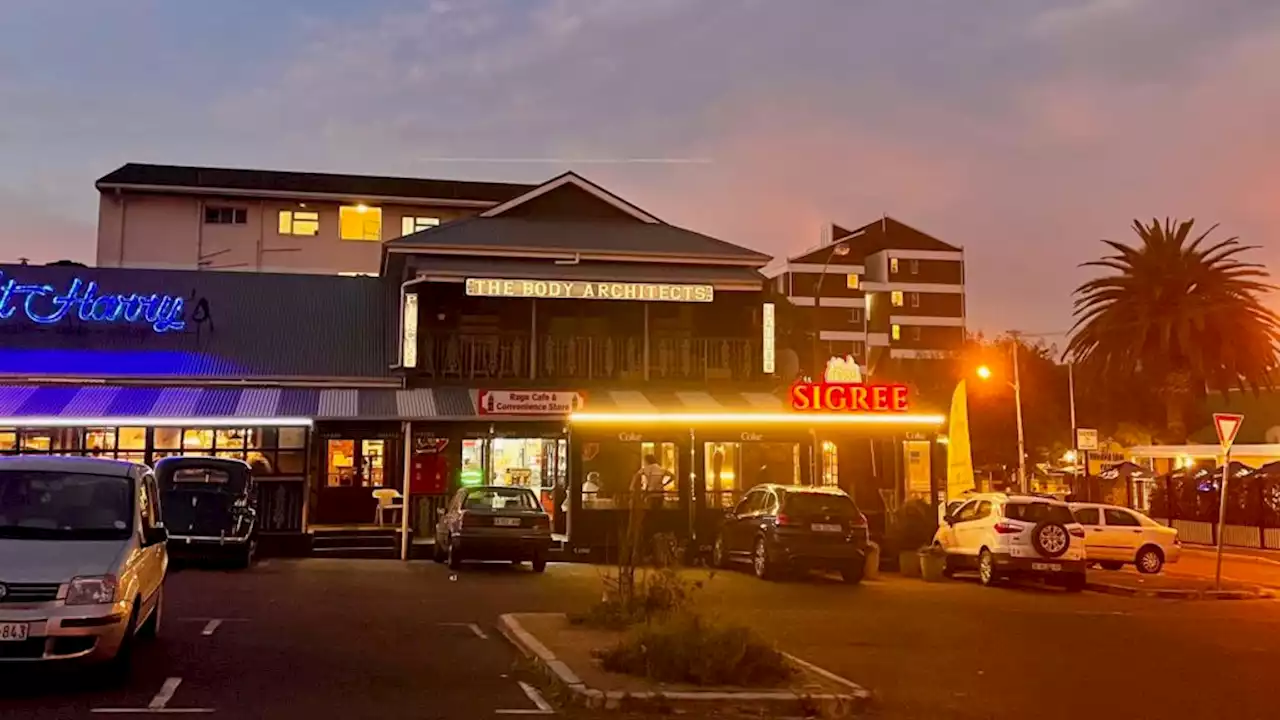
column 1182, row 314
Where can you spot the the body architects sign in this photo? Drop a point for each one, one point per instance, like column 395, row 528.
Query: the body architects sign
column 83, row 300
column 588, row 290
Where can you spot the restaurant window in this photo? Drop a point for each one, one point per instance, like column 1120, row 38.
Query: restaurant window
column 8, row 441
column 830, row 464
column 610, row 468
column 410, row 224
column 269, row 451
column 733, row 468
column 360, row 222
column 299, row 222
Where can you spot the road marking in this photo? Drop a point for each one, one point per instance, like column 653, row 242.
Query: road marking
column 159, row 703
column 535, row 696
column 210, row 627
column 472, row 626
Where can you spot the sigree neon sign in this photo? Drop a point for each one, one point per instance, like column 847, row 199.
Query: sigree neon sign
column 842, row 390
column 47, row 305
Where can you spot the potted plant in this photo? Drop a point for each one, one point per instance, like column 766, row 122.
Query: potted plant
column 933, row 564
column 913, row 529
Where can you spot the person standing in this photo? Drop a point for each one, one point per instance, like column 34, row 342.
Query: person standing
column 652, row 479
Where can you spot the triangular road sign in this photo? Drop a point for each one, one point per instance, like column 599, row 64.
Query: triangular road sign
column 1228, row 426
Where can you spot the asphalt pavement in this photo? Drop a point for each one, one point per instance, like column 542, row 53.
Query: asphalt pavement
column 321, row 638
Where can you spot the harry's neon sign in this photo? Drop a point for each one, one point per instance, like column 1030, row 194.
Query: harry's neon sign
column 45, row 305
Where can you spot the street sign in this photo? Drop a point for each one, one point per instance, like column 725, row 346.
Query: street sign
column 1228, row 426
column 1086, row 439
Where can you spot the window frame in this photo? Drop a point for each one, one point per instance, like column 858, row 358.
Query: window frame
column 225, row 215
column 367, row 217
column 895, row 332
column 851, row 281
column 1133, row 521
column 913, row 298
column 409, row 224
column 1097, row 515
column 893, row 266
column 897, row 298
column 913, row 266
column 288, row 222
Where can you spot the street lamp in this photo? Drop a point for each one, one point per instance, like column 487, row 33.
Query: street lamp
column 838, row 248
column 984, row 373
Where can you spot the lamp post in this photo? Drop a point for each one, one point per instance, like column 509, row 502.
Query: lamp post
column 838, row 248
column 984, row 372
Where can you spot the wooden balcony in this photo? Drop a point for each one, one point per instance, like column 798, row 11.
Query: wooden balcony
column 519, row 356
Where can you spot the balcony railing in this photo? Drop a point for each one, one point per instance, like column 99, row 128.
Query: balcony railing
column 507, row 356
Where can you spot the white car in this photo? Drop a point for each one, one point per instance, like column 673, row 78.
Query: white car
column 82, row 559
column 1008, row 534
column 1116, row 536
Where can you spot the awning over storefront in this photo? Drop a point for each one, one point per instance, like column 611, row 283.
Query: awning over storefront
column 31, row 405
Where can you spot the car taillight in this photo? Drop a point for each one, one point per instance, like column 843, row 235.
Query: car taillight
column 783, row 519
column 542, row 521
column 1076, row 532
column 469, row 520
column 1007, row 528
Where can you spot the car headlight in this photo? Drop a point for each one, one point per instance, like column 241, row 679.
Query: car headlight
column 98, row 590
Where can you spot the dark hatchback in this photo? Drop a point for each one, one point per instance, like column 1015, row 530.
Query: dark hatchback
column 493, row 522
column 782, row 528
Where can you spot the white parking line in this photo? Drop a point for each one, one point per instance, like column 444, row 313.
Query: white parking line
column 167, row 690
column 544, row 707
column 158, row 704
column 210, row 627
column 480, row 633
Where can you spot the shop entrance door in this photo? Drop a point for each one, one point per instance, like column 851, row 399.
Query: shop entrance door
column 353, row 469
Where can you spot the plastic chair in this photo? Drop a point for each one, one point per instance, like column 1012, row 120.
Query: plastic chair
column 388, row 499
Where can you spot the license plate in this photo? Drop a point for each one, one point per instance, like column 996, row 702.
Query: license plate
column 1052, row 567
column 13, row 632
column 826, row 527
column 507, row 522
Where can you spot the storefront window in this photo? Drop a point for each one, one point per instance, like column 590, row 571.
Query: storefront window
column 830, row 464
column 340, row 470
column 472, row 472
column 732, row 468
column 146, row 445
column 36, row 441
column 373, row 455
column 8, row 441
column 611, row 469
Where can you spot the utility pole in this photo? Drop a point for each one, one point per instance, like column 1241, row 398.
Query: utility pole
column 1023, row 481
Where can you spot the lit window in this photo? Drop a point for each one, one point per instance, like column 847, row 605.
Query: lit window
column 895, row 298
column 893, row 266
column 851, row 281
column 915, row 299
column 225, row 216
column 897, row 332
column 410, row 225
column 360, row 222
column 914, row 266
column 299, row 222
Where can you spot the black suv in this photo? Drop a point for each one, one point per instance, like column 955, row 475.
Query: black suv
column 778, row 528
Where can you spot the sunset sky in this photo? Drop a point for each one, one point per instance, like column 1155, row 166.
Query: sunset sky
column 1023, row 130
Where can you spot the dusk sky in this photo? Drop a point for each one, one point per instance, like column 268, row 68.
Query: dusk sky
column 1023, row 130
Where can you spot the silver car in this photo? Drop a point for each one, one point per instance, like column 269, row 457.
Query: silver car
column 82, row 559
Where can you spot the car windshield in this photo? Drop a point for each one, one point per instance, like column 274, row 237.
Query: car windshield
column 499, row 499
column 1034, row 512
column 820, row 504
column 64, row 506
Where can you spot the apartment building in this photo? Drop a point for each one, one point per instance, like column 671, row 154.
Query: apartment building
column 882, row 291
column 176, row 217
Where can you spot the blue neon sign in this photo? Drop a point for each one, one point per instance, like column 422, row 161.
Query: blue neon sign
column 45, row 305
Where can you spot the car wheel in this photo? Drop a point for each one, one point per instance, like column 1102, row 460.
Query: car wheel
column 761, row 562
column 1111, row 565
column 150, row 627
column 719, row 555
column 539, row 563
column 119, row 668
column 854, row 572
column 987, row 573
column 455, row 556
column 1150, row 560
column 1074, row 582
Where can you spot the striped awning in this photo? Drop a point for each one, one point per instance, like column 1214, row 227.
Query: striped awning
column 649, row 401
column 23, row 403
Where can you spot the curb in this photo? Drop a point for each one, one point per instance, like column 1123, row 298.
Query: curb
column 1175, row 594
column 849, row 704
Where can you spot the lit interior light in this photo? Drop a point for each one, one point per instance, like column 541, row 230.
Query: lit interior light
column 217, row 422
column 750, row 418
column 362, row 208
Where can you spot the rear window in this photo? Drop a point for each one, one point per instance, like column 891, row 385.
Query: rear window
column 819, row 504
column 201, row 475
column 499, row 499
column 1035, row 512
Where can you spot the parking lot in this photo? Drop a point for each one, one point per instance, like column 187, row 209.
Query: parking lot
column 321, row 638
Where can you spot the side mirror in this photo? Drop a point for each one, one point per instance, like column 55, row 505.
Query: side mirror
column 949, row 519
column 155, row 535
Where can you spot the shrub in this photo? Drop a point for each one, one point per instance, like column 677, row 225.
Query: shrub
column 653, row 596
column 914, row 526
column 687, row 648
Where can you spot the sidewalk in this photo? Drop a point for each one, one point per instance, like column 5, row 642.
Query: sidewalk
column 1172, row 586
column 1238, row 565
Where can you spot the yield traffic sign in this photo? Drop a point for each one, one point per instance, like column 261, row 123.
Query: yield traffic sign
column 1228, row 426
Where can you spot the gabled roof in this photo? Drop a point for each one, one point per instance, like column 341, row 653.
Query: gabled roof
column 886, row 233
column 228, row 181
column 569, row 217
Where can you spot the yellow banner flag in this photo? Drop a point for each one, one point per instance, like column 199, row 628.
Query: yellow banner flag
column 959, row 458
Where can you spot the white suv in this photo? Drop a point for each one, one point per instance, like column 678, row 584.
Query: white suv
column 1006, row 534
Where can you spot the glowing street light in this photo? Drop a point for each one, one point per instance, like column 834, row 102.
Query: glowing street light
column 1069, row 456
column 985, row 373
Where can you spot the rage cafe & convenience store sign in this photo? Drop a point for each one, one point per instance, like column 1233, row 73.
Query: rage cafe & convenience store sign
column 588, row 290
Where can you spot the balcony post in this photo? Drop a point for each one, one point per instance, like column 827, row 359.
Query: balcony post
column 533, row 339
column 646, row 341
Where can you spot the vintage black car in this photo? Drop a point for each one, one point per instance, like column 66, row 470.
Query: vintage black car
column 208, row 508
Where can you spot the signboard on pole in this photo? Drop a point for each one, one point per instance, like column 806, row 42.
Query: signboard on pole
column 1086, row 439
column 1228, row 426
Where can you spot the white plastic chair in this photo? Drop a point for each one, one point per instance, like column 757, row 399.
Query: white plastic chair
column 388, row 499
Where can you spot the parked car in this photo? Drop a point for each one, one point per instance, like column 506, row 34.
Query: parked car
column 493, row 522
column 1009, row 534
column 780, row 528
column 82, row 559
column 1116, row 536
column 209, row 508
